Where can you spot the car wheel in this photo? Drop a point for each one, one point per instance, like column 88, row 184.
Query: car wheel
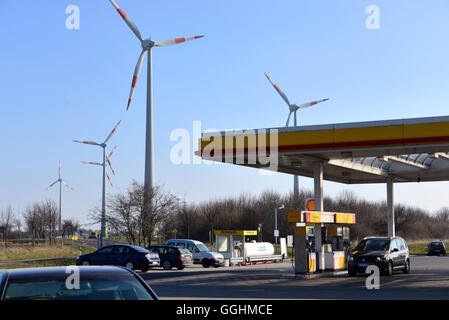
column 389, row 269
column 85, row 263
column 167, row 265
column 129, row 265
column 181, row 268
column 205, row 263
column 407, row 267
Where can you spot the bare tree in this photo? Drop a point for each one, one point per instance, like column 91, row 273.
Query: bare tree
column 6, row 220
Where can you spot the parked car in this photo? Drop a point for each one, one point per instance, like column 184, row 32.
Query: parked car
column 172, row 256
column 388, row 253
column 74, row 283
column 132, row 257
column 201, row 253
column 93, row 235
column 436, row 247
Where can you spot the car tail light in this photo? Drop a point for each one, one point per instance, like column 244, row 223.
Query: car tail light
column 148, row 256
column 181, row 256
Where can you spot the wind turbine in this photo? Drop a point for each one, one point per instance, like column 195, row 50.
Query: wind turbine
column 147, row 45
column 61, row 182
column 106, row 162
column 293, row 109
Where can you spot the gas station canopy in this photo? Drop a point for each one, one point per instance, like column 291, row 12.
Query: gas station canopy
column 405, row 150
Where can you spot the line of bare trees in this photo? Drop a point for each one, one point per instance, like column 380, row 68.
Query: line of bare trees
column 171, row 217
column 39, row 221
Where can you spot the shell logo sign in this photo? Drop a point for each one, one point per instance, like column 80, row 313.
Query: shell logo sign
column 310, row 204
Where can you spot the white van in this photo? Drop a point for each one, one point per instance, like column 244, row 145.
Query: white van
column 201, row 253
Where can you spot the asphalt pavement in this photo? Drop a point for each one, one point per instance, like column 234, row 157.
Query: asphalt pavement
column 428, row 279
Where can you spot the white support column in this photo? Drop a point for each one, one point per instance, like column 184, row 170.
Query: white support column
column 318, row 195
column 390, row 207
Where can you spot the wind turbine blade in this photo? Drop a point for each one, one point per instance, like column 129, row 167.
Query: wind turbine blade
column 171, row 42
column 110, row 165
column 128, row 20
column 288, row 119
column 87, row 142
column 90, row 162
column 281, row 93
column 112, row 151
column 112, row 132
column 135, row 77
column 52, row 184
column 109, row 180
column 67, row 185
column 312, row 103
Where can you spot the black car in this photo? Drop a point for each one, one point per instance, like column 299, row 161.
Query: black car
column 132, row 257
column 388, row 253
column 436, row 248
column 171, row 256
column 74, row 283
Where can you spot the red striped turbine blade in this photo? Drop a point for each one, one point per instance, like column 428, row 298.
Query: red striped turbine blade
column 87, row 142
column 128, row 20
column 112, row 132
column 109, row 180
column 175, row 41
column 67, row 185
column 112, row 151
column 110, row 165
column 312, row 103
column 281, row 93
column 135, row 77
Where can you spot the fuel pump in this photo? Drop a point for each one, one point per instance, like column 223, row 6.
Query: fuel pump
column 305, row 258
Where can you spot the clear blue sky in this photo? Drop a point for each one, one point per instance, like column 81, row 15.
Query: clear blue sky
column 59, row 84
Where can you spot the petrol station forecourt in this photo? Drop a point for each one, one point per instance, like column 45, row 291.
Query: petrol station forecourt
column 388, row 151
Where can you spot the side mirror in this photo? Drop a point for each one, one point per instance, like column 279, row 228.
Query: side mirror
column 395, row 250
column 196, row 250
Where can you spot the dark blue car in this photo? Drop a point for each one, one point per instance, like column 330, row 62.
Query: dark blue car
column 129, row 256
column 74, row 283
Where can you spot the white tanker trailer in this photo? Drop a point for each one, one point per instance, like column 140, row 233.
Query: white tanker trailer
column 235, row 248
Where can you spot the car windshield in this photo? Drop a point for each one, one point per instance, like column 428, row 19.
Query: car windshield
column 436, row 244
column 89, row 288
column 202, row 247
column 373, row 245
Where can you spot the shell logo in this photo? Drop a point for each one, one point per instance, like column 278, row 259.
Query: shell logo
column 310, row 204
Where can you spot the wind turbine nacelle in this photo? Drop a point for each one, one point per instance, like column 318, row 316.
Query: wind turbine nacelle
column 147, row 44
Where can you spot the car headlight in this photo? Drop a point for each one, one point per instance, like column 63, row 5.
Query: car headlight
column 381, row 258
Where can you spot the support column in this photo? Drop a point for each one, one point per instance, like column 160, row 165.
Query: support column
column 318, row 195
column 390, row 207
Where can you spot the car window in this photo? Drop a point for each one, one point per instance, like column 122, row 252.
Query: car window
column 373, row 245
column 157, row 249
column 105, row 250
column 172, row 250
column 394, row 245
column 181, row 244
column 170, row 243
column 184, row 251
column 191, row 247
column 401, row 244
column 90, row 288
column 120, row 250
